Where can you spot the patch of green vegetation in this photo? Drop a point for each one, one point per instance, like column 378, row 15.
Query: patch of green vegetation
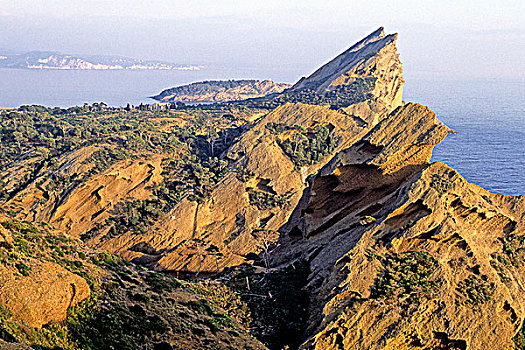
column 307, row 148
column 371, row 255
column 266, row 200
column 23, row 269
column 243, row 174
column 111, row 261
column 135, row 216
column 512, row 255
column 161, row 282
column 441, row 184
column 476, row 290
column 103, row 158
column 513, row 250
column 114, row 325
column 4, row 313
column 497, row 264
column 224, row 298
column 30, row 241
column 406, row 274
column 278, row 128
column 37, row 243
column 340, row 97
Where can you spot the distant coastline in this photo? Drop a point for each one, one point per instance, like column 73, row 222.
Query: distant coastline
column 44, row 60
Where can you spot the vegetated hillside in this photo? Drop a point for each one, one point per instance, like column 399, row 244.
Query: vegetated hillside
column 58, row 294
column 221, row 91
column 353, row 239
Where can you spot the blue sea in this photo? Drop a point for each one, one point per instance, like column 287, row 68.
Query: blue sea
column 489, row 115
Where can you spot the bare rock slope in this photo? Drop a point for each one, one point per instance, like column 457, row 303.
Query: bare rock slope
column 43, row 292
column 375, row 57
column 405, row 254
column 268, row 174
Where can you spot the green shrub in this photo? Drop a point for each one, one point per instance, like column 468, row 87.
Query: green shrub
column 405, row 274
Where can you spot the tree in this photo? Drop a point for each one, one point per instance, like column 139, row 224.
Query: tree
column 198, row 248
column 214, row 250
column 265, row 239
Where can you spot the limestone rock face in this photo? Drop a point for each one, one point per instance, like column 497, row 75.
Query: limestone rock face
column 405, row 254
column 85, row 204
column 374, row 57
column 44, row 295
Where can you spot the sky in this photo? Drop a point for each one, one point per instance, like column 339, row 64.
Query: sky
column 286, row 38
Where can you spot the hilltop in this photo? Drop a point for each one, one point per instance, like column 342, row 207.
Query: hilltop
column 315, row 210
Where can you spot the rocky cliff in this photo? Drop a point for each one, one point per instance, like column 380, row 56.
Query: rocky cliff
column 358, row 241
column 373, row 58
column 269, row 166
column 403, row 253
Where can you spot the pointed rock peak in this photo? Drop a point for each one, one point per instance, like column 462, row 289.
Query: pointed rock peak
column 374, row 36
column 372, row 59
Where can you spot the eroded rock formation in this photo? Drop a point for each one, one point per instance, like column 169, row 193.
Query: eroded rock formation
column 400, row 253
column 228, row 218
column 403, row 253
column 375, row 57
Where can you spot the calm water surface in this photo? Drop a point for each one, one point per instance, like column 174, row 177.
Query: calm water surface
column 489, row 116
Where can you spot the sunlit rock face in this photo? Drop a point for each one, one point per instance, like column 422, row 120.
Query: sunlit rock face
column 375, row 57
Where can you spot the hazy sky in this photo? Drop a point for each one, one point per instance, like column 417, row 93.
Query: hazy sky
column 445, row 38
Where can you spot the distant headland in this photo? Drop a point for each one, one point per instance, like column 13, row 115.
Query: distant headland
column 56, row 60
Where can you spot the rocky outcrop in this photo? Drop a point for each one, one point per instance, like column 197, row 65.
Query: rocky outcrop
column 375, row 57
column 405, row 254
column 83, row 203
column 263, row 170
column 44, row 295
